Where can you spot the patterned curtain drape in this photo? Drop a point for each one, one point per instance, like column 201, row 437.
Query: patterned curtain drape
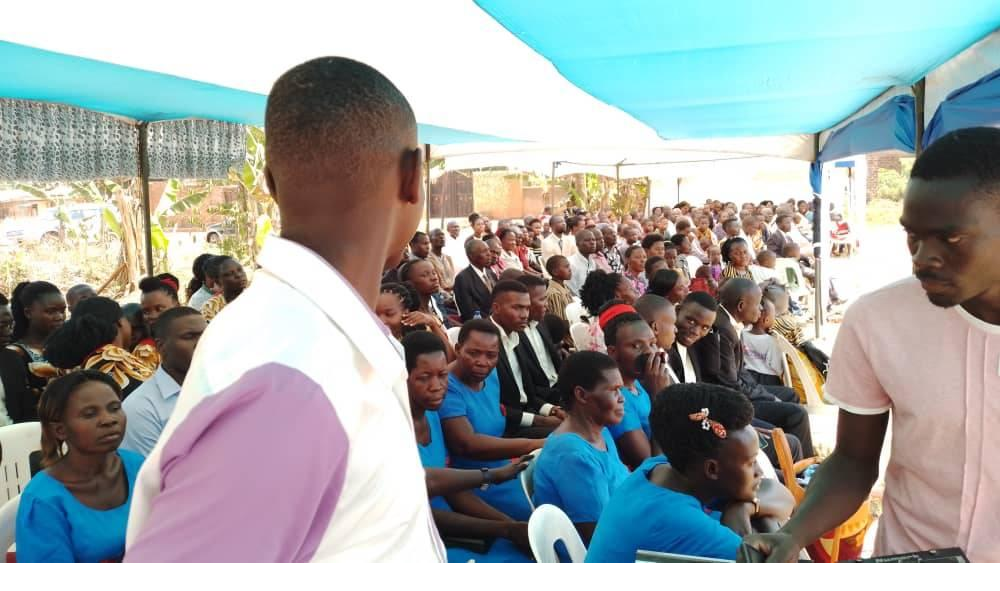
column 47, row 142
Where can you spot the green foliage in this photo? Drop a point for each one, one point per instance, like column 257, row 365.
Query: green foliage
column 883, row 212
column 892, row 184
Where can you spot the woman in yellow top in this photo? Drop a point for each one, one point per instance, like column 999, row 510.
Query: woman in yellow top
column 227, row 273
column 736, row 255
column 94, row 338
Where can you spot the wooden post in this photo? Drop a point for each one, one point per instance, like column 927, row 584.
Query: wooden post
column 552, row 186
column 147, row 215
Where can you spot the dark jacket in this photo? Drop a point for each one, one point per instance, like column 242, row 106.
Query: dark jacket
column 776, row 243
column 510, row 395
column 471, row 294
column 677, row 364
column 534, row 367
column 720, row 355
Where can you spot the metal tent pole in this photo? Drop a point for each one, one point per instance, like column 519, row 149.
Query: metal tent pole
column 147, row 215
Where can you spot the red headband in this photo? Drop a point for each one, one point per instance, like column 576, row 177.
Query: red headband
column 612, row 313
column 170, row 282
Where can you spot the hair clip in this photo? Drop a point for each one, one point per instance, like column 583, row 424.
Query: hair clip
column 708, row 424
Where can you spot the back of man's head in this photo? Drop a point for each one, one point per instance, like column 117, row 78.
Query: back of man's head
column 733, row 291
column 973, row 152
column 335, row 120
column 649, row 305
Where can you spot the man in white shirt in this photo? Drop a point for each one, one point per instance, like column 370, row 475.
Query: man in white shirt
column 177, row 332
column 542, row 352
column 583, row 261
column 524, row 407
column 329, row 423
column 454, row 246
column 558, row 242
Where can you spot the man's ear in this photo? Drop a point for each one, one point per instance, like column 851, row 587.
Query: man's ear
column 412, row 190
column 272, row 187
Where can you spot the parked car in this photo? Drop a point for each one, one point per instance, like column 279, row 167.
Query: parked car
column 57, row 223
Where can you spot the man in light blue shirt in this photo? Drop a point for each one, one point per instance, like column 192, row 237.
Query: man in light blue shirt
column 148, row 408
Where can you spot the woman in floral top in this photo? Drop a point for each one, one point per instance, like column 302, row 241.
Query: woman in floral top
column 94, row 338
column 635, row 268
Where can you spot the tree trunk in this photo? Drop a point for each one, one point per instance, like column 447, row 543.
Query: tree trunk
column 130, row 242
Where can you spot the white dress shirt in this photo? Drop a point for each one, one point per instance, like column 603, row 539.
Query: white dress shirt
column 510, row 343
column 535, row 338
column 581, row 267
column 689, row 374
column 552, row 245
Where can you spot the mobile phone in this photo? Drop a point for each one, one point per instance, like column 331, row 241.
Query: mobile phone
column 641, row 362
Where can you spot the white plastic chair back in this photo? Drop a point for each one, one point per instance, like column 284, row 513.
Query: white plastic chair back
column 574, row 312
column 528, row 478
column 16, row 444
column 813, row 397
column 580, row 332
column 790, row 270
column 786, row 373
column 548, row 525
column 453, row 334
column 8, row 519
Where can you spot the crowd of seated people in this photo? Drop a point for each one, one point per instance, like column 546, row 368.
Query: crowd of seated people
column 495, row 375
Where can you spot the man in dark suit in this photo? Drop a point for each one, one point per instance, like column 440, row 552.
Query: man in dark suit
column 720, row 356
column 474, row 284
column 780, row 237
column 543, row 357
column 528, row 414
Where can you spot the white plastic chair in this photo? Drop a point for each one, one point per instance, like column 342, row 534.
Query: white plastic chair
column 574, row 312
column 453, row 334
column 813, row 397
column 580, row 332
column 8, row 519
column 528, row 478
column 547, row 525
column 796, row 282
column 16, row 444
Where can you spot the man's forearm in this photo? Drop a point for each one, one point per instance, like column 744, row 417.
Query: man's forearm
column 835, row 493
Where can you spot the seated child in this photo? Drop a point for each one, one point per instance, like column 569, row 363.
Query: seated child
column 703, row 281
column 715, row 262
column 761, row 354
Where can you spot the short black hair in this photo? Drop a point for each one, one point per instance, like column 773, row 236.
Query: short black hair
column 163, row 323
column 584, row 369
column 733, row 291
column 971, row 152
column 553, row 262
column 508, row 286
column 767, row 252
column 663, row 282
column 416, row 236
column 473, row 243
column 419, row 343
column 731, row 221
column 330, row 110
column 631, row 249
column 702, row 299
column 502, row 233
column 650, row 240
column 213, row 267
column 598, row 289
column 406, row 294
column 530, row 281
column 788, row 248
column 406, row 267
column 477, row 325
column 652, row 262
column 681, row 224
column 3, row 300
column 574, row 221
column 678, row 239
column 648, row 305
column 783, row 216
column 558, row 328
column 613, row 327
column 683, row 439
column 164, row 282
column 94, row 324
column 473, row 217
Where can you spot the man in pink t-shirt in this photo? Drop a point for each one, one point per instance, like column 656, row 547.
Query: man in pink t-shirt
column 928, row 350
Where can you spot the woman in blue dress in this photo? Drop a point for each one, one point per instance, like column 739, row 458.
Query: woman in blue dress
column 580, row 467
column 632, row 344
column 473, row 418
column 76, row 509
column 707, row 496
column 487, row 534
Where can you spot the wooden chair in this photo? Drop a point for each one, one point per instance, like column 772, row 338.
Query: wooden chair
column 827, row 548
